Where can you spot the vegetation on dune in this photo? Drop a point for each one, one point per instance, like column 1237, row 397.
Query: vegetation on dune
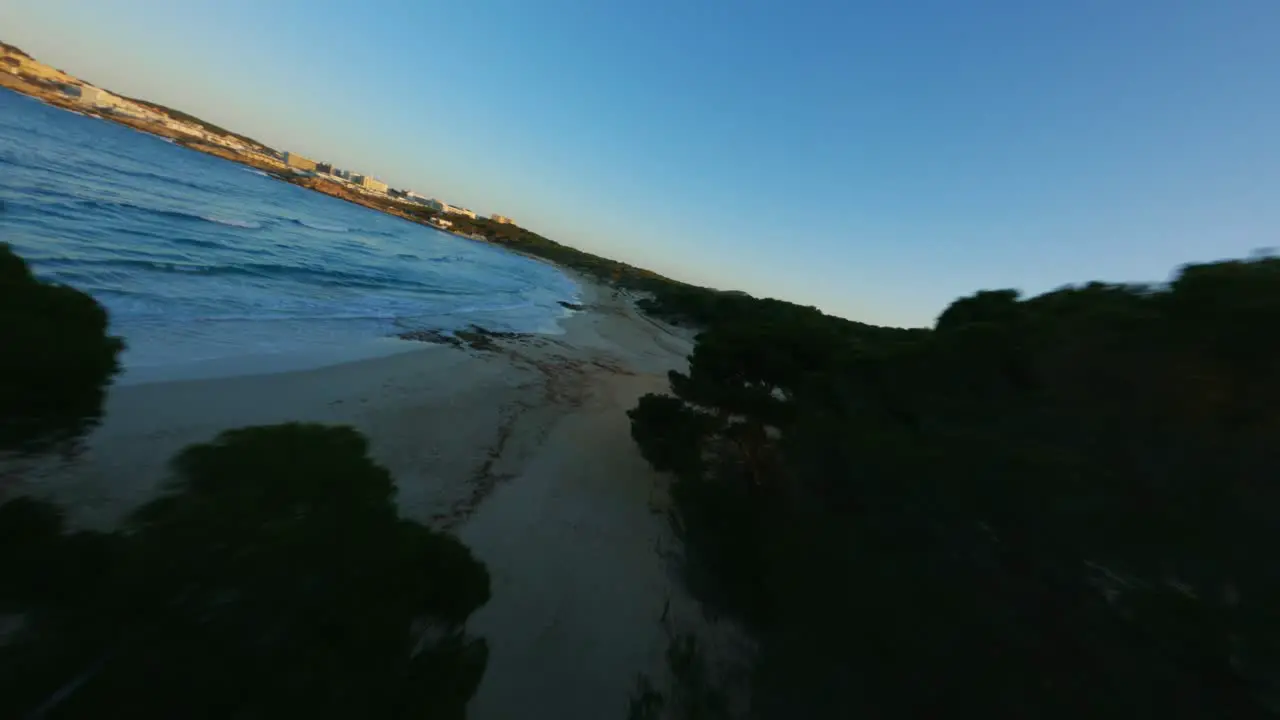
column 1055, row 506
column 56, row 359
column 14, row 50
column 193, row 120
column 671, row 300
column 273, row 579
column 529, row 242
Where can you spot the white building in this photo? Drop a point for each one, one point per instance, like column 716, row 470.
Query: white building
column 369, row 183
column 460, row 211
column 183, row 128
column 444, row 207
column 97, row 97
column 133, row 109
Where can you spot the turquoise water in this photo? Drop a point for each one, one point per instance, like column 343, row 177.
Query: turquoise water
column 199, row 259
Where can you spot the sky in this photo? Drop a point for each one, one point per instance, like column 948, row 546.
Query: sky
column 874, row 159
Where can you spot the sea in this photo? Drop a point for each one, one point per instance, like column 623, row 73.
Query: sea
column 209, row 268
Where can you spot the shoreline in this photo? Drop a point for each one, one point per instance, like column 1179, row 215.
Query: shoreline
column 520, row 446
column 273, row 168
column 517, row 443
column 607, row 338
column 249, row 365
column 599, row 269
column 371, row 348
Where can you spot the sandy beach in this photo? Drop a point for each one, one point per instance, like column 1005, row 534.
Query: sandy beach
column 522, row 448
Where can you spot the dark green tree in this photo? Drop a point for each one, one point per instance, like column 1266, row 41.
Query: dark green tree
column 56, row 359
column 272, row 579
column 1050, row 506
column 670, row 434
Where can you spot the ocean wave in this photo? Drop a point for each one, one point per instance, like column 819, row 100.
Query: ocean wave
column 279, row 317
column 179, row 238
column 472, row 309
column 272, row 271
column 194, row 258
column 379, row 233
column 165, row 178
column 165, row 213
column 244, row 224
column 190, row 216
column 320, row 226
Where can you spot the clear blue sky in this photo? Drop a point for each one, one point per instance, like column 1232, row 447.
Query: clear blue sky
column 876, row 159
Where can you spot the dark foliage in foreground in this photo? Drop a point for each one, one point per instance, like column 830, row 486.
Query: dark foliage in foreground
column 273, row 579
column 56, row 359
column 1059, row 506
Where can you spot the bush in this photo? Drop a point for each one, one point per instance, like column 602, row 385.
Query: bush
column 1044, row 507
column 272, row 579
column 56, row 359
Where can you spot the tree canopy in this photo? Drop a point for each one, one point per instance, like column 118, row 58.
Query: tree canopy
column 1043, row 507
column 13, row 49
column 272, row 579
column 56, row 358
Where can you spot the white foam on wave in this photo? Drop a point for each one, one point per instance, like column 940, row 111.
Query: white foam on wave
column 230, row 222
column 228, row 268
column 322, row 227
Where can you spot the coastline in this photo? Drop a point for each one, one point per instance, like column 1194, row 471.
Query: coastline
column 522, row 448
column 524, row 243
column 273, row 168
column 519, row 443
column 57, row 99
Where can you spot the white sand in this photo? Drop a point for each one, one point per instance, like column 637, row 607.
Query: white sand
column 524, row 451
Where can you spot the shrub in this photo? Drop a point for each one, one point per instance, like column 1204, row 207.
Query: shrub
column 272, row 579
column 1051, row 506
column 56, row 359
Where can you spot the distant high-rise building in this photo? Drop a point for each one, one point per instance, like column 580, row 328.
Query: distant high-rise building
column 295, row 160
column 326, row 168
column 369, row 183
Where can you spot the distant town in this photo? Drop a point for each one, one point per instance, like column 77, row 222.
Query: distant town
column 306, row 167
column 22, row 73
